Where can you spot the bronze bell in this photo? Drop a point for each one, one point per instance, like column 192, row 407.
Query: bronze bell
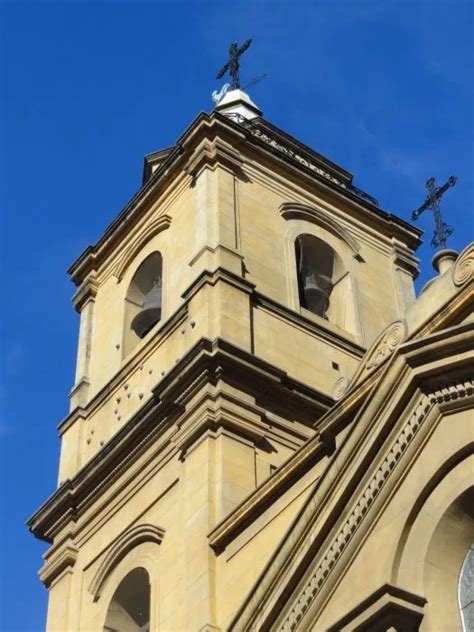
column 150, row 313
column 317, row 289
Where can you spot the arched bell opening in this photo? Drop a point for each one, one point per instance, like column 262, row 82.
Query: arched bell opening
column 143, row 301
column 129, row 609
column 320, row 270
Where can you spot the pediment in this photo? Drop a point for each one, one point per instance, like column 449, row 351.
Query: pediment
column 352, row 491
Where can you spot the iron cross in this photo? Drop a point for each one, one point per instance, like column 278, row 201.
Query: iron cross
column 233, row 64
column 442, row 230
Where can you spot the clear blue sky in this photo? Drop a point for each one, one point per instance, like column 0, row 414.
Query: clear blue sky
column 87, row 88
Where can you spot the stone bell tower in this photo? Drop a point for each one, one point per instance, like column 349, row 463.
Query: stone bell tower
column 221, row 314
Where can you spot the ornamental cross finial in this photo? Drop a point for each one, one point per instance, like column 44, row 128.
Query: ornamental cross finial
column 442, row 230
column 233, row 64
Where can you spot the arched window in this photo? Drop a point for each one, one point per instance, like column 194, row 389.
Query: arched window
column 466, row 592
column 129, row 609
column 143, row 301
column 319, row 270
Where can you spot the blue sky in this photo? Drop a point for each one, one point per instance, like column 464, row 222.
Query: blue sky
column 87, row 88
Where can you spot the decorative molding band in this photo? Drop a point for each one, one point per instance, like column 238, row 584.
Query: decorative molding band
column 210, row 153
column 295, row 210
column 154, row 228
column 405, row 607
column 326, row 331
column 216, row 359
column 372, row 490
column 63, row 560
column 463, row 270
column 87, row 291
column 292, row 154
column 404, row 258
column 128, row 540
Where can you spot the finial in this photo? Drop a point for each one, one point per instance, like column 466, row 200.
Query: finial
column 442, row 230
column 233, row 65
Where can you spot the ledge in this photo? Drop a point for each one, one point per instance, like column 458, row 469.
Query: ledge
column 207, row 362
column 389, row 605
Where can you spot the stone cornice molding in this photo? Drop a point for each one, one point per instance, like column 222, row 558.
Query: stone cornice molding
column 206, row 363
column 404, row 259
column 86, row 292
column 405, row 606
column 325, row 331
column 269, row 491
column 297, row 211
column 453, row 310
column 221, row 136
column 306, row 545
column 59, row 560
column 211, row 152
column 322, row 444
column 119, row 548
column 154, row 228
column 463, row 270
column 404, row 231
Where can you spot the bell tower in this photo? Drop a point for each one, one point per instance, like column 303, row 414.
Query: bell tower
column 221, row 314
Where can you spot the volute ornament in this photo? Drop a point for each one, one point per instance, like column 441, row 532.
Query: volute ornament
column 389, row 341
column 340, row 388
column 464, row 268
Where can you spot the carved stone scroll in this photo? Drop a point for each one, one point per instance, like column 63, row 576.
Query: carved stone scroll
column 464, row 269
column 390, row 340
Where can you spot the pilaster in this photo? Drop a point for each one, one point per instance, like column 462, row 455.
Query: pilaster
column 83, row 301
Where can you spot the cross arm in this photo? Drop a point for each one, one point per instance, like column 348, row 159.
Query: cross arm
column 416, row 214
column 222, row 71
column 244, row 46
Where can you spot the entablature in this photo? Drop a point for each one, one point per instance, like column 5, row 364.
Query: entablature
column 224, row 141
column 207, row 363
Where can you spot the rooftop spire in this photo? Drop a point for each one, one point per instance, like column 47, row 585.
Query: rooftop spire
column 234, row 103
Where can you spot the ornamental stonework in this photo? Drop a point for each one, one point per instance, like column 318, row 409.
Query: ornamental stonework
column 340, row 542
column 391, row 339
column 464, row 268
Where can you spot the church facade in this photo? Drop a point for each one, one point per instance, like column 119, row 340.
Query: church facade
column 268, row 430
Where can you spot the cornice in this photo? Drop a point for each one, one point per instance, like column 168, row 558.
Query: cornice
column 355, row 517
column 325, row 331
column 211, row 278
column 87, row 291
column 63, row 560
column 208, row 362
column 211, row 152
column 404, row 259
column 322, row 444
column 271, row 145
column 401, row 604
column 454, row 308
column 206, row 136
